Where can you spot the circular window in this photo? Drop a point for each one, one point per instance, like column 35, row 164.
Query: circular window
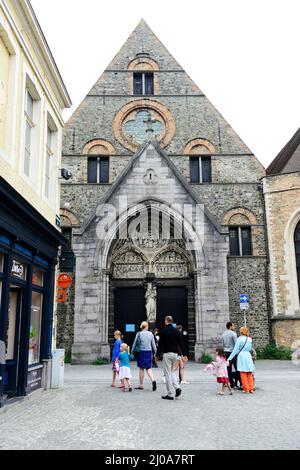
column 132, row 121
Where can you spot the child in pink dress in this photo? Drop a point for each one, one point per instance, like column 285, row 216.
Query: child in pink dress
column 219, row 368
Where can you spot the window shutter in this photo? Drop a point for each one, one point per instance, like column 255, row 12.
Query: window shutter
column 104, row 170
column 194, row 170
column 246, row 241
column 234, row 241
column 92, row 170
column 206, row 169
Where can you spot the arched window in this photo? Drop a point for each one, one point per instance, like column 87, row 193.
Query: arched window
column 200, row 162
column 242, row 227
column 145, row 81
column 297, row 253
column 98, row 162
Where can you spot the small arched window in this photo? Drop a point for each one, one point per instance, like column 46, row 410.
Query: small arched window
column 145, row 81
column 297, row 253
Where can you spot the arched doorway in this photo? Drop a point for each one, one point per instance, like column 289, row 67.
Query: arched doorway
column 148, row 259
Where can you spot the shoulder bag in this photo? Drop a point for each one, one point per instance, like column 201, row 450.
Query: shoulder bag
column 137, row 346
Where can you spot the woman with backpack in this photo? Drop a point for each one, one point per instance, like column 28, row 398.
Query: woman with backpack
column 144, row 347
column 245, row 365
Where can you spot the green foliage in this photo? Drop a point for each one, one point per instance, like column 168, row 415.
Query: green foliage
column 68, row 357
column 206, row 358
column 33, row 332
column 271, row 351
column 100, row 362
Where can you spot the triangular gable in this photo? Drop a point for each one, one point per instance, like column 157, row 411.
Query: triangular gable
column 115, row 186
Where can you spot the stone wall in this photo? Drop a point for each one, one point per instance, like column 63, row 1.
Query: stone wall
column 247, row 275
column 65, row 321
column 282, row 200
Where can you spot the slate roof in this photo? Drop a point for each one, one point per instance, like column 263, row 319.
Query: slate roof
column 280, row 163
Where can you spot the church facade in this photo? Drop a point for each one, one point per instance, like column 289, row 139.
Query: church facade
column 164, row 213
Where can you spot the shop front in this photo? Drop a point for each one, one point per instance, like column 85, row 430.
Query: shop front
column 28, row 254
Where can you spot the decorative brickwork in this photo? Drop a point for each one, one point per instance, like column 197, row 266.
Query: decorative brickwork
column 143, row 104
column 98, row 147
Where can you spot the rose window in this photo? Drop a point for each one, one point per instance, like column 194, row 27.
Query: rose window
column 135, row 127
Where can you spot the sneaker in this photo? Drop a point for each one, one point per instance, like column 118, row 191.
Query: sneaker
column 154, row 386
column 178, row 392
column 185, row 382
column 166, row 397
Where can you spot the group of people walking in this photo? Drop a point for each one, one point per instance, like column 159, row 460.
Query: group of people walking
column 149, row 347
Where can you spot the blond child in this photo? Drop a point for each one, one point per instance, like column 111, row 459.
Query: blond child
column 125, row 375
column 115, row 357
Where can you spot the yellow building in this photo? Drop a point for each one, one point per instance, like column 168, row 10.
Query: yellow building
column 32, row 98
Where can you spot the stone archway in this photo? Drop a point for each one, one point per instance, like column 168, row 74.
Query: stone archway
column 163, row 265
column 188, row 259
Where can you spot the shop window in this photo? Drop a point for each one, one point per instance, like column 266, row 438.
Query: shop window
column 98, row 170
column 200, row 169
column 240, row 241
column 143, row 83
column 19, row 270
column 11, row 326
column 37, row 277
column 35, row 328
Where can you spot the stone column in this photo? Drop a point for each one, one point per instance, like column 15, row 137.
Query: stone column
column 103, row 282
column 200, row 343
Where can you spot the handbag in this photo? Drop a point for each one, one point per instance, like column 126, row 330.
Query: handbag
column 242, row 347
column 117, row 365
column 137, row 346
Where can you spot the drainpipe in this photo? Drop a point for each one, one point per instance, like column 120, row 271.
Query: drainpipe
column 267, row 270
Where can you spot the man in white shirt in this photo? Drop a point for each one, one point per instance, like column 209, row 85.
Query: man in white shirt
column 229, row 340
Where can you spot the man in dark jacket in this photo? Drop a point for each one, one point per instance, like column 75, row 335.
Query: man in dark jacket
column 170, row 347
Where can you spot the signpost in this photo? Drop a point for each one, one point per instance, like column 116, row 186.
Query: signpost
column 244, row 306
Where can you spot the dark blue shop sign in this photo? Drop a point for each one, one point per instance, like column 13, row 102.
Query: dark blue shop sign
column 4, row 240
column 42, row 261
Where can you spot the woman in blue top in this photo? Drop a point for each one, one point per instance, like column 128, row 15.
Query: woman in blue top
column 245, row 364
column 115, row 356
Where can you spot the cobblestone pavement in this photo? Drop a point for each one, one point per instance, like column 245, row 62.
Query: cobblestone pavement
column 88, row 414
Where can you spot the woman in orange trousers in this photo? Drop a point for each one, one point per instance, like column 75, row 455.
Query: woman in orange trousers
column 245, row 364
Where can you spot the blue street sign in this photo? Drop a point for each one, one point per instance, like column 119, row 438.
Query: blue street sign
column 244, row 298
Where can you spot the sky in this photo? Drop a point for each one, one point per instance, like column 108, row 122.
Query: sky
column 243, row 54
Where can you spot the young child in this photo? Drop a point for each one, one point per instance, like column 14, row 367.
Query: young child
column 115, row 357
column 125, row 375
column 219, row 368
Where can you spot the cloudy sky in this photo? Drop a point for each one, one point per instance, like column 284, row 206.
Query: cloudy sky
column 243, row 54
